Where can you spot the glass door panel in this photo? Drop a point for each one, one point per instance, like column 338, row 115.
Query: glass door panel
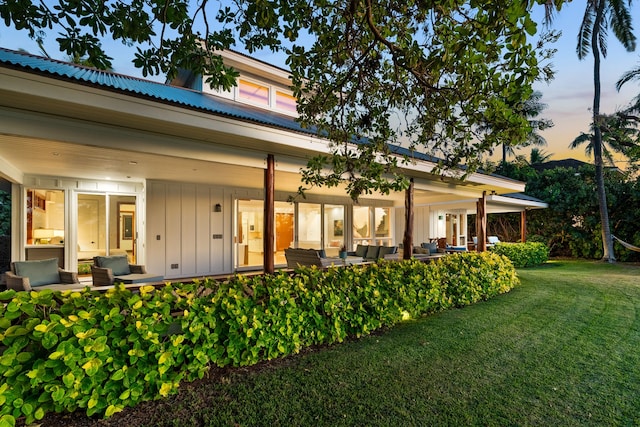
column 361, row 225
column 106, row 226
column 309, row 226
column 122, row 231
column 333, row 229
column 249, row 245
column 383, row 231
column 92, row 225
column 284, row 230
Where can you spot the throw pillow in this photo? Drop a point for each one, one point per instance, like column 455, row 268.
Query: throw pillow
column 119, row 264
column 40, row 272
column 372, row 252
column 361, row 251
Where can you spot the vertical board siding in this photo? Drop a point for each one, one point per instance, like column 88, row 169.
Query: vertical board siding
column 203, row 237
column 156, row 237
column 188, row 236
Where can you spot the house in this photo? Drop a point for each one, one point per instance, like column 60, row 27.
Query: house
column 176, row 177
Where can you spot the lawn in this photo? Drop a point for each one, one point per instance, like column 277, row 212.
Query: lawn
column 561, row 349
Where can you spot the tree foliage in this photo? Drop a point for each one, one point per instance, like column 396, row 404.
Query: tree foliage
column 5, row 213
column 571, row 225
column 425, row 75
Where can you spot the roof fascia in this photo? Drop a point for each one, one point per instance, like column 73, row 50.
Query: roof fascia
column 529, row 204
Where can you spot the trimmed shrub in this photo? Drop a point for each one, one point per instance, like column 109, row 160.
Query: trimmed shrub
column 100, row 352
column 525, row 254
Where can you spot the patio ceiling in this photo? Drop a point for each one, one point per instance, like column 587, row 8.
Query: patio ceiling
column 52, row 158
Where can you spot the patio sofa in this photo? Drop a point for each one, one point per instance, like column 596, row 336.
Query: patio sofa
column 40, row 274
column 297, row 257
column 107, row 270
column 427, row 251
column 373, row 253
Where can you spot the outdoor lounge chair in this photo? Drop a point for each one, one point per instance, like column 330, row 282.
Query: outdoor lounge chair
column 492, row 241
column 40, row 274
column 107, row 270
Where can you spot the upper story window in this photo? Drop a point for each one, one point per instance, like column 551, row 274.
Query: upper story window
column 261, row 94
column 253, row 92
column 285, row 102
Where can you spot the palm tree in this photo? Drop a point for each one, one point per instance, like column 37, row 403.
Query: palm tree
column 530, row 109
column 538, row 156
column 598, row 16
column 619, row 135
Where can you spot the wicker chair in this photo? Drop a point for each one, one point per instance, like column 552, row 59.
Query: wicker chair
column 107, row 270
column 40, row 274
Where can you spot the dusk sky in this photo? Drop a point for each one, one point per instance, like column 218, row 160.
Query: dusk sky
column 569, row 96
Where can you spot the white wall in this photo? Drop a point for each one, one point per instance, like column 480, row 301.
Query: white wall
column 185, row 237
column 422, row 224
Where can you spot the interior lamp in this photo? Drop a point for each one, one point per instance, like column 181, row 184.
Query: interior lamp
column 42, row 236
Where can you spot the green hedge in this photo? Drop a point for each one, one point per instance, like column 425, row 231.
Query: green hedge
column 100, row 352
column 523, row 254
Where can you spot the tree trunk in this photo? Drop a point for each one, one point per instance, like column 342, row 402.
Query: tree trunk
column 407, row 241
column 481, row 223
column 607, row 243
column 269, row 216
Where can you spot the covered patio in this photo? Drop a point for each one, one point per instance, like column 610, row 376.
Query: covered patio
column 185, row 182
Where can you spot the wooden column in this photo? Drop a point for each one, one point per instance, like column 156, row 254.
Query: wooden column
column 407, row 241
column 523, row 226
column 269, row 215
column 481, row 223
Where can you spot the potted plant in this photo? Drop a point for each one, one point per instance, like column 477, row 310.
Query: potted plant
column 343, row 252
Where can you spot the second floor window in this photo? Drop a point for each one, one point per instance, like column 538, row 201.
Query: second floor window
column 253, row 93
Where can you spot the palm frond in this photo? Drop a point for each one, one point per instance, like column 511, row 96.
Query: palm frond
column 607, row 157
column 627, row 77
column 535, row 139
column 581, row 139
column 603, row 30
column 621, row 23
column 584, row 34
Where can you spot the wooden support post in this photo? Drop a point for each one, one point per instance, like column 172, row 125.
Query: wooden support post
column 481, row 223
column 523, row 226
column 407, row 241
column 269, row 216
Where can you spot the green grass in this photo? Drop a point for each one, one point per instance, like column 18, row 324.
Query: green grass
column 561, row 349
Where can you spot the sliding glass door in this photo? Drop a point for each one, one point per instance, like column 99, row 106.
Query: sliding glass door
column 249, row 245
column 106, row 226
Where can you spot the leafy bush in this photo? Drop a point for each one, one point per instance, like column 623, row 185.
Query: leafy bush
column 101, row 352
column 523, row 254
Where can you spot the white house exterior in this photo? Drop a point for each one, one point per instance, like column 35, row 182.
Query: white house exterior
column 102, row 163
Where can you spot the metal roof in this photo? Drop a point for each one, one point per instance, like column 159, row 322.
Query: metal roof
column 166, row 93
column 148, row 89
